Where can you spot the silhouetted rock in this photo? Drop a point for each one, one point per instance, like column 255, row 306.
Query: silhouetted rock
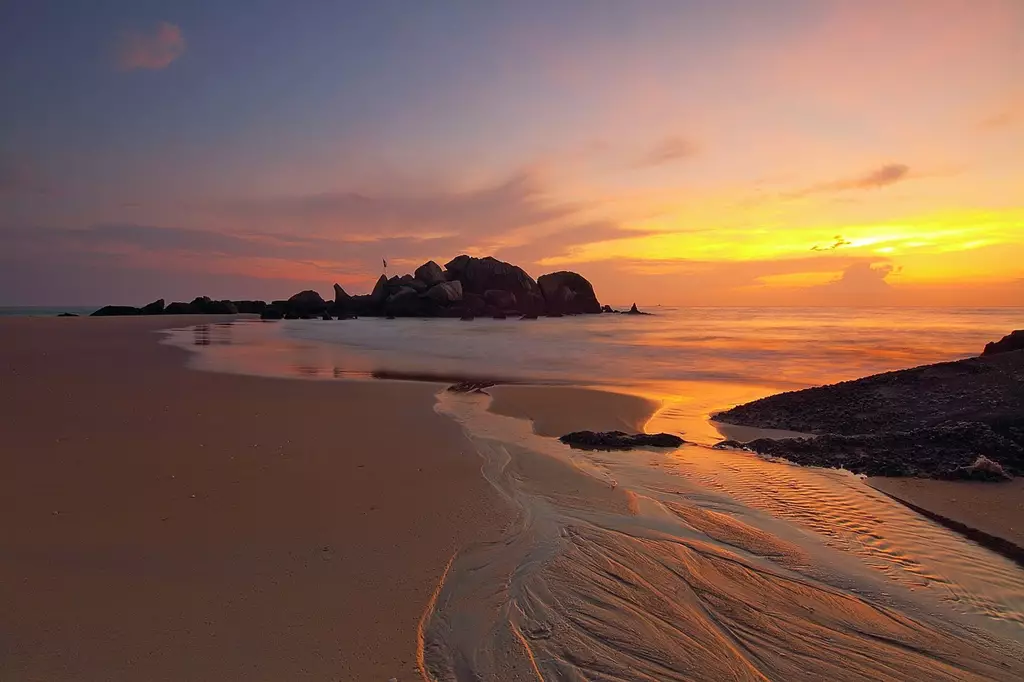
column 633, row 310
column 529, row 316
column 272, row 313
column 568, row 292
column 250, row 307
column 479, row 275
column 341, row 297
column 407, row 302
column 67, row 315
column 620, row 440
column 420, row 286
column 446, row 293
column 306, row 303
column 473, row 304
column 178, row 308
column 205, row 306
column 326, row 316
column 116, row 310
column 380, row 292
column 501, row 300
column 154, row 308
column 608, row 309
column 467, row 317
column 1011, row 342
column 430, row 273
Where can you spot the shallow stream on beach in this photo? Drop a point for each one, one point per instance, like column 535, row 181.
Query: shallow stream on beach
column 690, row 564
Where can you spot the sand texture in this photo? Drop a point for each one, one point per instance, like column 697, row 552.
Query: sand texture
column 557, row 410
column 161, row 523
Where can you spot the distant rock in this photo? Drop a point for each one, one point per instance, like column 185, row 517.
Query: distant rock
column 68, row 315
column 204, row 305
column 178, row 308
column 154, row 308
column 620, row 440
column 380, row 292
column 568, row 292
column 446, row 293
column 1011, row 342
column 341, row 297
column 607, row 309
column 307, row 303
column 633, row 310
column 326, row 316
column 250, row 307
column 430, row 273
column 479, row 275
column 272, row 313
column 501, row 300
column 407, row 302
column 116, row 310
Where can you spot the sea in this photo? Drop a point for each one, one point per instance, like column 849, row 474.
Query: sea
column 720, row 564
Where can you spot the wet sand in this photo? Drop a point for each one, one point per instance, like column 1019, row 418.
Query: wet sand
column 996, row 509
column 557, row 410
column 162, row 523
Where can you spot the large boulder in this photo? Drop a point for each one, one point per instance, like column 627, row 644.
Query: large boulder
column 501, row 300
column 204, row 305
column 446, row 293
column 307, row 303
column 479, row 275
column 380, row 292
column 178, row 308
column 430, row 273
column 1012, row 341
column 619, row 440
column 407, row 302
column 568, row 292
column 341, row 297
column 115, row 310
column 154, row 308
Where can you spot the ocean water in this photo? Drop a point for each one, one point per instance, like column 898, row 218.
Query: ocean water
column 43, row 311
column 722, row 565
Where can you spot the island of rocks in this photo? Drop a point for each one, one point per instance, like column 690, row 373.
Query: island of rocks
column 962, row 419
column 467, row 287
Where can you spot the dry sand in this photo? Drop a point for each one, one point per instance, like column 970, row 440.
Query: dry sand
column 557, row 410
column 996, row 509
column 161, row 523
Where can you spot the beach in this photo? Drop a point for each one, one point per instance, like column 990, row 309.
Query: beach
column 162, row 523
column 241, row 500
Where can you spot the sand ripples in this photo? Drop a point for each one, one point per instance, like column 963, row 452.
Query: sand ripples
column 676, row 583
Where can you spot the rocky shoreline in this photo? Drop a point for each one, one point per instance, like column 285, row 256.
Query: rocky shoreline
column 466, row 288
column 962, row 419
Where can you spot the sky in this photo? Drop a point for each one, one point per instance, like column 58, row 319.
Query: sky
column 676, row 152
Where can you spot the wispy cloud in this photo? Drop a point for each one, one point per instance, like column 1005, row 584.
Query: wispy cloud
column 666, row 151
column 886, row 175
column 155, row 48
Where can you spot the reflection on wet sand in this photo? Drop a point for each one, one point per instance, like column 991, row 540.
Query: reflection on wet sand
column 682, row 585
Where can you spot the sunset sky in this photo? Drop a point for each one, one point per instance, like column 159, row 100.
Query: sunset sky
column 767, row 152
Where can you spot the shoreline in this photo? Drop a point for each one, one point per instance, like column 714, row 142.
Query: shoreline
column 182, row 524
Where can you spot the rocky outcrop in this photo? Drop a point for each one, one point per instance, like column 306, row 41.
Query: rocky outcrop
column 430, row 273
column 1011, row 342
column 620, row 440
column 466, row 287
column 154, row 308
column 568, row 292
column 927, row 421
column 115, row 310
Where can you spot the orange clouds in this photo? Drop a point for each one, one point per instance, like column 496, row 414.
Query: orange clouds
column 155, row 49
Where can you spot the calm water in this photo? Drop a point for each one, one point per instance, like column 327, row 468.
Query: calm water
column 30, row 311
column 726, row 566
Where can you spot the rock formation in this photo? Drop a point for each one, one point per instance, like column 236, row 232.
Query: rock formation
column 620, row 440
column 1011, row 342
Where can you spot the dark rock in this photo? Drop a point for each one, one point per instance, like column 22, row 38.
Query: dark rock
column 178, row 308
column 341, row 297
column 154, row 308
column 501, row 300
column 529, row 316
column 430, row 273
column 633, row 310
column 608, row 309
column 1011, row 342
column 407, row 302
column 250, row 307
column 446, row 293
column 271, row 313
column 568, row 292
column 116, row 310
column 205, row 306
column 479, row 275
column 467, row 317
column 380, row 292
column 419, row 286
column 473, row 304
column 326, row 316
column 499, row 315
column 306, row 303
column 292, row 315
column 620, row 440
column 982, row 469
column 67, row 315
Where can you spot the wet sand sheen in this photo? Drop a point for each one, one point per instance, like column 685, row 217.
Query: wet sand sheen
column 668, row 590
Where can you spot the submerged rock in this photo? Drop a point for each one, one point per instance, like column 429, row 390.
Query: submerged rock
column 620, row 440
